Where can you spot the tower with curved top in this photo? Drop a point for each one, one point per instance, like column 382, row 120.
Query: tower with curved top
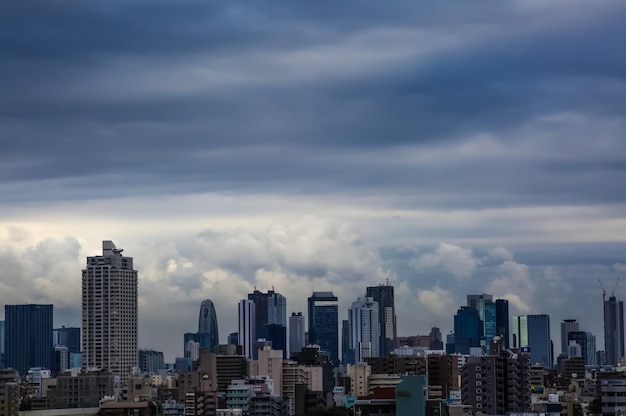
column 208, row 335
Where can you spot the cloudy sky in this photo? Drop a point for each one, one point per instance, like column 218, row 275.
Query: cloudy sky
column 449, row 147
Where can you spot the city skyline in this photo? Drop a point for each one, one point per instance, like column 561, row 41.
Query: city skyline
column 447, row 149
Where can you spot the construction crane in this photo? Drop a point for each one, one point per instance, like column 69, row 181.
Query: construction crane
column 614, row 288
column 603, row 290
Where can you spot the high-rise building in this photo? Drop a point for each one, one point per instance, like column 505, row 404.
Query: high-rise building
column 567, row 326
column 247, row 327
column 587, row 342
column 613, row 330
column 110, row 312
column 364, row 328
column 383, row 294
column 28, row 337
column 533, row 332
column 207, row 326
column 435, row 339
column 296, row 333
column 478, row 302
column 150, row 361
column 270, row 309
column 497, row 384
column 489, row 325
column 468, row 329
column 502, row 321
column 2, row 342
column 68, row 337
column 324, row 323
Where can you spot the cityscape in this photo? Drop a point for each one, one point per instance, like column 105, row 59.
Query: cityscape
column 312, row 208
column 492, row 362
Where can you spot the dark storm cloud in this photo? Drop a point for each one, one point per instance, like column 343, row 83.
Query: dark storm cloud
column 302, row 97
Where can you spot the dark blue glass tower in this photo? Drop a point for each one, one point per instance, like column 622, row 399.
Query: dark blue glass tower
column 28, row 337
column 468, row 329
column 383, row 294
column 324, row 323
column 277, row 334
column 489, row 324
column 68, row 337
column 502, row 320
column 208, row 334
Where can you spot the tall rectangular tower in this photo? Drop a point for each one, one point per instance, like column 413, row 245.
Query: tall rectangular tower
column 296, row 333
column 613, row 330
column 533, row 331
column 383, row 294
column 502, row 320
column 110, row 312
column 324, row 323
column 247, row 327
column 28, row 337
column 364, row 326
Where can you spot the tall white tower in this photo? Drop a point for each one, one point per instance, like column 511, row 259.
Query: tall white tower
column 110, row 312
column 247, row 326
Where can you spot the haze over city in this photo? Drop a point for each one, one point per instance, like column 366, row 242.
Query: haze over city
column 446, row 148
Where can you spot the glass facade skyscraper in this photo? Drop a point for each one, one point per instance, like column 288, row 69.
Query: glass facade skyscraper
column 468, row 329
column 502, row 320
column 384, row 296
column 208, row 334
column 68, row 337
column 613, row 330
column 324, row 323
column 28, row 337
column 270, row 309
column 533, row 332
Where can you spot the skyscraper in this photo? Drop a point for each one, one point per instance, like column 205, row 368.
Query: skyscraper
column 468, row 329
column 383, row 294
column 296, row 333
column 247, row 327
column 364, row 332
column 324, row 323
column 533, row 331
column 587, row 342
column 28, row 337
column 478, row 302
column 110, row 312
column 613, row 330
column 208, row 335
column 567, row 326
column 502, row 320
column 69, row 337
column 270, row 310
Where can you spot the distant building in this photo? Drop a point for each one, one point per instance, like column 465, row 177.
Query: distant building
column 79, row 390
column 110, row 305
column 208, row 334
column 2, row 344
column 151, row 361
column 233, row 338
column 28, row 337
column 533, row 332
column 67, row 336
column 613, row 330
column 502, row 321
column 587, row 342
column 468, row 329
column 435, row 339
column 364, row 328
column 247, row 327
column 297, row 331
column 324, row 323
column 567, row 326
column 388, row 332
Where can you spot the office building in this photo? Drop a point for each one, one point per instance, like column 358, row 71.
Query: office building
column 68, row 337
column 208, row 334
column 247, row 327
column 533, row 332
column 150, row 361
column 233, row 338
column 324, row 323
column 9, row 392
column 2, row 344
column 28, row 337
column 489, row 326
column 110, row 312
column 435, row 341
column 61, row 360
column 613, row 330
column 567, row 326
column 502, row 321
column 270, row 310
column 468, row 329
column 364, row 328
column 384, row 296
column 81, row 390
column 587, row 343
column 297, row 332
column 478, row 302
column 497, row 384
